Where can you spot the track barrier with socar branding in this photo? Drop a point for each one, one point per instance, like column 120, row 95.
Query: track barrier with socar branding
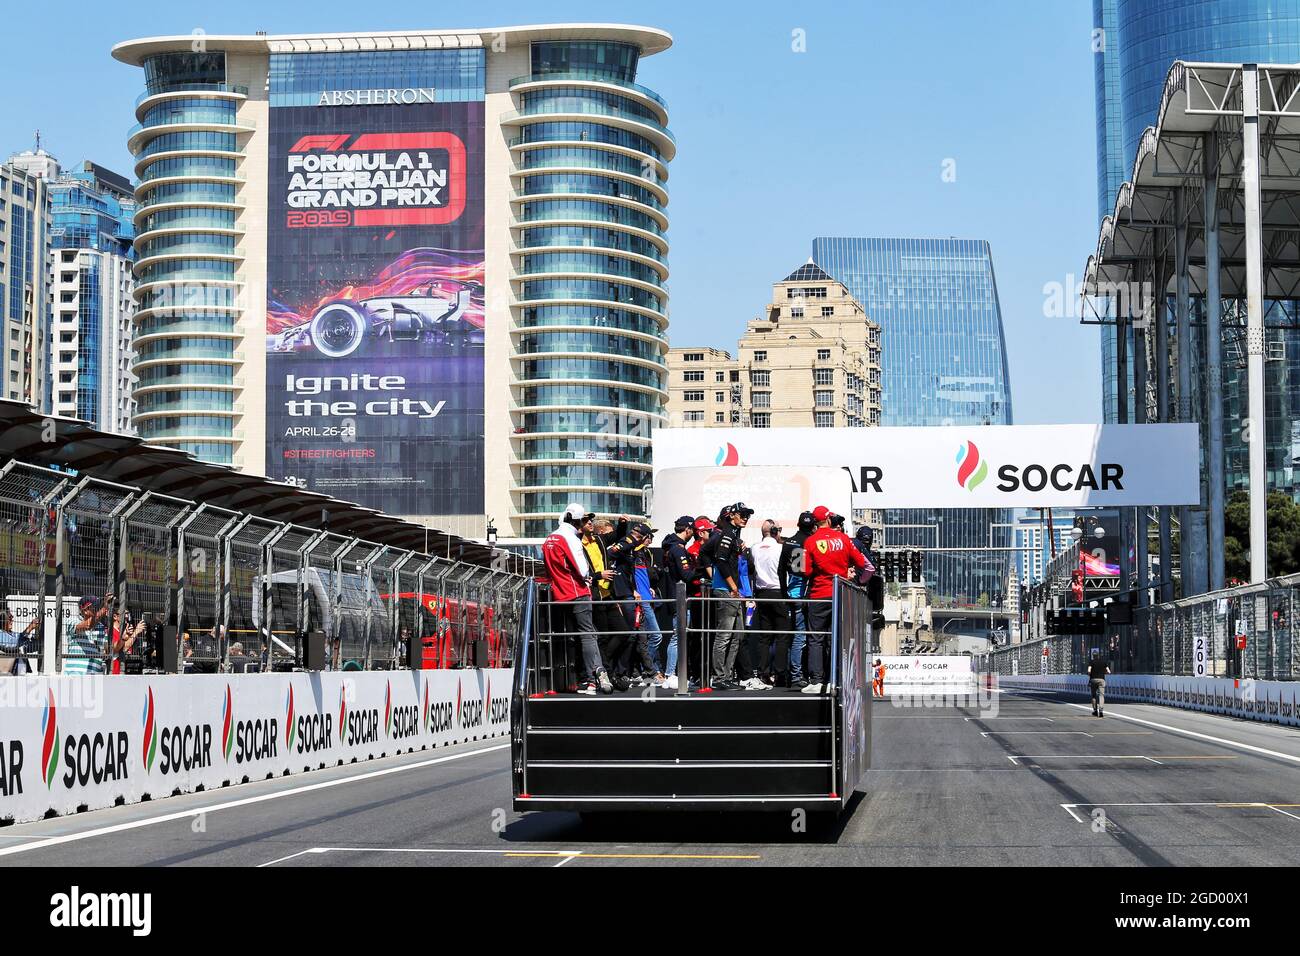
column 1276, row 702
column 87, row 742
column 104, row 578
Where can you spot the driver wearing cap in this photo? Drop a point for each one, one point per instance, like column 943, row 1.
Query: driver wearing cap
column 721, row 553
column 828, row 554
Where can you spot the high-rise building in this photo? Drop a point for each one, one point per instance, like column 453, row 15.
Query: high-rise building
column 425, row 271
column 1140, row 40
column 812, row 360
column 944, row 363
column 93, row 213
column 24, row 277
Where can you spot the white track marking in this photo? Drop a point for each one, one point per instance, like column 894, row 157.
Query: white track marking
column 1200, row 736
column 1014, row 757
column 1222, row 804
column 246, row 801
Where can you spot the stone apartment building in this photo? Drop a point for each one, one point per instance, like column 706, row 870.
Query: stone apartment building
column 811, row 360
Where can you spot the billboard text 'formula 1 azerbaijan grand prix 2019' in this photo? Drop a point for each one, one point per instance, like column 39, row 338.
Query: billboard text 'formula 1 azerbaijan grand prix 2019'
column 375, row 311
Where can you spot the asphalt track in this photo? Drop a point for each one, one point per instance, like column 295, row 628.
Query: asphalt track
column 1034, row 780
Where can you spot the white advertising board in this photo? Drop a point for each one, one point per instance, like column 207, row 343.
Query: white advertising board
column 779, row 492
column 67, row 742
column 23, row 608
column 991, row 466
column 925, row 670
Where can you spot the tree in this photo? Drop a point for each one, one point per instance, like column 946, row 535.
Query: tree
column 1283, row 535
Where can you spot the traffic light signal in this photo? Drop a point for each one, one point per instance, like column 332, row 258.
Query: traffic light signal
column 1076, row 620
column 888, row 558
column 917, row 576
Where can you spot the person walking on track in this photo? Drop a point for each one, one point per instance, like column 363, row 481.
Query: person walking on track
column 1097, row 671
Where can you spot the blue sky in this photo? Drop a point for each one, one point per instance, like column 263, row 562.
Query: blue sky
column 849, row 137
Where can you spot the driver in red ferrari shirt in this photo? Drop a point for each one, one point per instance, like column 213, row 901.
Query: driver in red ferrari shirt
column 828, row 554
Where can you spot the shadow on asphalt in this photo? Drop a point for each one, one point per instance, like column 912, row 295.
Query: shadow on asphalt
column 680, row 827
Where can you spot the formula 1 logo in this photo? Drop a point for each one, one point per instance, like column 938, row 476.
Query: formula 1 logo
column 380, row 179
column 727, row 456
column 971, row 469
column 49, row 741
column 150, row 740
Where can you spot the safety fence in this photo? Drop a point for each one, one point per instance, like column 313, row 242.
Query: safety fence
column 1242, row 632
column 97, row 578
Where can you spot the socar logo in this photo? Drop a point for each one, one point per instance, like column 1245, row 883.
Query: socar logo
column 971, row 469
column 727, row 455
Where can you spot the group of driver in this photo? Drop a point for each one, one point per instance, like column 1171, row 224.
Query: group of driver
column 762, row 610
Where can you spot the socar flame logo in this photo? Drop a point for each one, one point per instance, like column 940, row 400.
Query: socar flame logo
column 150, row 741
column 290, row 730
column 727, row 455
column 49, row 740
column 971, row 469
column 227, row 724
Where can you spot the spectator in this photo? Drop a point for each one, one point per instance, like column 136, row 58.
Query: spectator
column 828, row 554
column 721, row 553
column 16, row 644
column 569, row 574
column 123, row 637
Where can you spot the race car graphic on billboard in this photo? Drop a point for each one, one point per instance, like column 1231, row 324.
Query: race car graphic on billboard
column 375, row 307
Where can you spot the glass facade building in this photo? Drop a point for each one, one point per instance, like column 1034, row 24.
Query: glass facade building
column 592, row 299
column 188, row 144
column 93, row 216
column 1143, row 38
column 944, row 362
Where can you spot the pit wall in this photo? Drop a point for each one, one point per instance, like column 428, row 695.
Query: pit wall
column 83, row 743
column 1274, row 702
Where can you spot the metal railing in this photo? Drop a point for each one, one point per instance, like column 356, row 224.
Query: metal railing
column 639, row 639
column 102, row 578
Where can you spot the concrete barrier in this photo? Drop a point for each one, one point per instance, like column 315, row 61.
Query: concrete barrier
column 82, row 743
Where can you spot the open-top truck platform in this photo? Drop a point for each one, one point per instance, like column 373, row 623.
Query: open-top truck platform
column 687, row 749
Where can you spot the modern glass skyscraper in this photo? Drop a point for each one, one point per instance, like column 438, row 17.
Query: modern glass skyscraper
column 1140, row 40
column 90, row 347
column 944, row 362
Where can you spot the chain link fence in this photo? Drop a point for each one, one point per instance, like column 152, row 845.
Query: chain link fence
column 102, row 578
column 1196, row 636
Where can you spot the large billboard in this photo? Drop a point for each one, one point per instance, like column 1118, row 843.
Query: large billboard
column 988, row 466
column 375, row 308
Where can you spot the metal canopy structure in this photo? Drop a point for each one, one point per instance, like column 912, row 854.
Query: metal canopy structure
column 70, row 445
column 1211, row 209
